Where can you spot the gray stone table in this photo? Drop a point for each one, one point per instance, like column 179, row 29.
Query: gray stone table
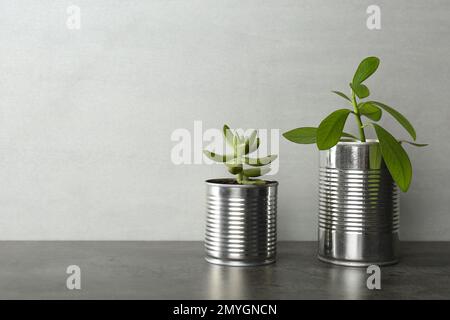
column 177, row 270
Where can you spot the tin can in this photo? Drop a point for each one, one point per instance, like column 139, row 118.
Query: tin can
column 358, row 206
column 241, row 226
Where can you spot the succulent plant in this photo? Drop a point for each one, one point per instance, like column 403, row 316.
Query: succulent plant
column 330, row 131
column 239, row 163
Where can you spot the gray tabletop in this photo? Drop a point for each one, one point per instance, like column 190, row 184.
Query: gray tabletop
column 177, row 270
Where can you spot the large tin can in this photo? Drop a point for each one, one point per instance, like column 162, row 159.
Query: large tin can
column 358, row 207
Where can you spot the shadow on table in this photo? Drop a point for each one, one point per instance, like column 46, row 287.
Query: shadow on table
column 237, row 282
column 273, row 282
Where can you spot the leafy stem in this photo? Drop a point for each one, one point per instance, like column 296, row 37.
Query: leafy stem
column 358, row 118
column 331, row 129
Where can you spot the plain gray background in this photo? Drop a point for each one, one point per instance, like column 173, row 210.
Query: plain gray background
column 86, row 115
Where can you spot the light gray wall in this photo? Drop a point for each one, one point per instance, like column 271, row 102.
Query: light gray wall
column 86, row 116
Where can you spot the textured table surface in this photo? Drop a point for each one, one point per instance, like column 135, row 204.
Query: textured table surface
column 177, row 270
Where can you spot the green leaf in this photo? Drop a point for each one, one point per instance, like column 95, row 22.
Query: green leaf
column 395, row 157
column 399, row 117
column 343, row 95
column 304, row 135
column 249, row 143
column 365, row 69
column 256, row 172
column 375, row 156
column 217, row 157
column 240, row 138
column 235, row 146
column 234, row 166
column 258, row 162
column 370, row 110
column 252, row 138
column 228, row 134
column 413, row 144
column 234, row 169
column 348, row 135
column 330, row 129
column 360, row 90
column 308, row 135
column 253, row 147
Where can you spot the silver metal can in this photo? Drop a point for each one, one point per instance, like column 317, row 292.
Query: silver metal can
column 241, row 223
column 358, row 206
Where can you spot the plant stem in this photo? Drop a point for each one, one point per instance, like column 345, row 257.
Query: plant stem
column 358, row 118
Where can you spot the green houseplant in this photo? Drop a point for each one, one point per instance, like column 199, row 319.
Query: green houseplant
column 239, row 158
column 330, row 130
column 358, row 209
column 241, row 212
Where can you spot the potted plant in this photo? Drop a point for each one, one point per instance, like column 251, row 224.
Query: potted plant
column 241, row 212
column 358, row 178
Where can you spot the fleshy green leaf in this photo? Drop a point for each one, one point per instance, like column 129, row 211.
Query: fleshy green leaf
column 256, row 172
column 258, row 162
column 365, row 69
column 235, row 146
column 413, row 143
column 399, row 117
column 370, row 110
column 250, row 142
column 228, row 134
column 252, row 139
column 234, row 166
column 217, row 157
column 234, row 169
column 343, row 95
column 330, row 129
column 240, row 138
column 308, row 135
column 395, row 157
column 241, row 148
column 360, row 90
column 253, row 147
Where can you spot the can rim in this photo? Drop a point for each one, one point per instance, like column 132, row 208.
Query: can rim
column 367, row 142
column 218, row 182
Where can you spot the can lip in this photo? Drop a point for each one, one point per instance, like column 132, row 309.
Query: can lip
column 220, row 182
column 367, row 142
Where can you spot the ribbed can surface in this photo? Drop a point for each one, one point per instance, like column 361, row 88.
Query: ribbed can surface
column 358, row 207
column 241, row 223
